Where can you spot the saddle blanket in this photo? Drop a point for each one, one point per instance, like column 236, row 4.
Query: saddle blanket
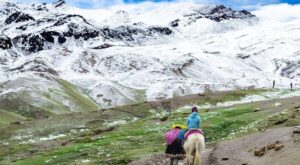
column 193, row 131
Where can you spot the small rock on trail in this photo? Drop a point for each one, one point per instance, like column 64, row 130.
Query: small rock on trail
column 273, row 147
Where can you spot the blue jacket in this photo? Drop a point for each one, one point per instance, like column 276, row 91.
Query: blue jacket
column 193, row 121
column 181, row 135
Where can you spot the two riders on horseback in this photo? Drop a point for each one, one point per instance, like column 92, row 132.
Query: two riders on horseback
column 177, row 136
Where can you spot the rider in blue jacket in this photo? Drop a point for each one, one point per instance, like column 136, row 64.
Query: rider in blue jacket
column 194, row 120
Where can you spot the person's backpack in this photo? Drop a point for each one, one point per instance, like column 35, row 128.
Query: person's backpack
column 171, row 135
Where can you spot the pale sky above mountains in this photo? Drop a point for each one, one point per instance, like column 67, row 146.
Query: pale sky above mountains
column 237, row 4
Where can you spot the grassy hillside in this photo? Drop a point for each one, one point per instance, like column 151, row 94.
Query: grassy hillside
column 73, row 93
column 9, row 117
column 123, row 134
column 43, row 99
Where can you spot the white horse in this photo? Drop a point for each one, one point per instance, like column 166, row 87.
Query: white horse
column 194, row 145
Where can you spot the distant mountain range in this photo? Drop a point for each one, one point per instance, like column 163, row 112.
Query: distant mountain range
column 55, row 58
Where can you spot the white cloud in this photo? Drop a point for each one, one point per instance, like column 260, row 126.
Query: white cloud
column 236, row 4
column 280, row 12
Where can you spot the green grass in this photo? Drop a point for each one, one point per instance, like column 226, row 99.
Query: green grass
column 138, row 95
column 146, row 135
column 229, row 121
column 21, row 107
column 229, row 96
column 118, row 147
column 82, row 100
column 8, row 117
column 52, row 101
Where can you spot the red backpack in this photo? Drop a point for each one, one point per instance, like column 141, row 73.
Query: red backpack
column 171, row 135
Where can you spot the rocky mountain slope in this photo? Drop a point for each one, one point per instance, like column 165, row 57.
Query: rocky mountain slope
column 55, row 58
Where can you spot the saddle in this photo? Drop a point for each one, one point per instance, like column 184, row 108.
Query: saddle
column 192, row 131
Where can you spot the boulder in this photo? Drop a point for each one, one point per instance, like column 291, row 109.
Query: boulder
column 278, row 147
column 260, row 152
column 5, row 42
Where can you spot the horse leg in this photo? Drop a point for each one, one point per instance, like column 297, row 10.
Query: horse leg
column 197, row 156
column 189, row 157
column 194, row 157
column 188, row 153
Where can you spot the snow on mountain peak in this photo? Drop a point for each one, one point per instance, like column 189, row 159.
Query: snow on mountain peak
column 123, row 57
column 119, row 18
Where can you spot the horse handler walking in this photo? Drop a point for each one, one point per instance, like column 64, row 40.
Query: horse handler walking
column 174, row 139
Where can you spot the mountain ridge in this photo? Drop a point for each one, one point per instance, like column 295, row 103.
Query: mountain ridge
column 122, row 59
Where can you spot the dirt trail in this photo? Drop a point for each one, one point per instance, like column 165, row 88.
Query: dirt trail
column 241, row 151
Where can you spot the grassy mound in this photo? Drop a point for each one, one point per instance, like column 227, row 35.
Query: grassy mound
column 40, row 99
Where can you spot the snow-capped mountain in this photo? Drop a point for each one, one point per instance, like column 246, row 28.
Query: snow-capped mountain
column 122, row 57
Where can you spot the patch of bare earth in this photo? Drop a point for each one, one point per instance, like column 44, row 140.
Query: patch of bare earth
column 162, row 160
column 278, row 146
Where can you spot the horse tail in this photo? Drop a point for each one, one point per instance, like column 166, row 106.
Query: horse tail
column 202, row 143
column 197, row 159
column 199, row 147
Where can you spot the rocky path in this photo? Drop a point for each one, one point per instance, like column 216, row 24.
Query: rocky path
column 277, row 146
column 162, row 160
column 272, row 147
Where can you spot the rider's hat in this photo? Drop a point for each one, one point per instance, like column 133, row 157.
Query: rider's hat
column 194, row 109
column 181, row 126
